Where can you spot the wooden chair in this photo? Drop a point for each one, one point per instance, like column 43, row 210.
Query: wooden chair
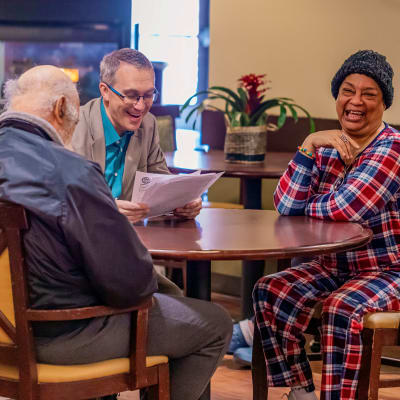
column 21, row 377
column 165, row 116
column 380, row 329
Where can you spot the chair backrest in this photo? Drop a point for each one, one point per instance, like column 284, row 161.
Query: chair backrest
column 6, row 298
column 213, row 129
column 165, row 116
column 166, row 133
column 17, row 346
column 12, row 275
column 286, row 139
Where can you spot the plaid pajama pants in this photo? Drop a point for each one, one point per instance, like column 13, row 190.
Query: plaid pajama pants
column 283, row 303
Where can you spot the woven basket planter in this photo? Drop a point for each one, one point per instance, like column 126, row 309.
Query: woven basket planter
column 245, row 144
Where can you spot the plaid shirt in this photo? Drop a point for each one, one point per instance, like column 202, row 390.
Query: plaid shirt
column 366, row 192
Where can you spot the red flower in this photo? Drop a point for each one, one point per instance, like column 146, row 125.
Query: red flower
column 252, row 84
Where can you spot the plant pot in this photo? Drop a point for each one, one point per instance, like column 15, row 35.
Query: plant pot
column 245, row 144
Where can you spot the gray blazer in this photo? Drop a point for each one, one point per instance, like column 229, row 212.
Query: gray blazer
column 143, row 153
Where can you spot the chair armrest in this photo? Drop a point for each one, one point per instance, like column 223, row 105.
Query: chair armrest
column 82, row 312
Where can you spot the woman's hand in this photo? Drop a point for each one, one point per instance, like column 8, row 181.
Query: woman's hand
column 346, row 146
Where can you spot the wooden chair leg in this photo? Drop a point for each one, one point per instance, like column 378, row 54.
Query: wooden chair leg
column 163, row 384
column 184, row 275
column 368, row 381
column 258, row 368
column 162, row 390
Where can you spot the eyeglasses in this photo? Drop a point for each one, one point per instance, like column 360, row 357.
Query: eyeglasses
column 134, row 99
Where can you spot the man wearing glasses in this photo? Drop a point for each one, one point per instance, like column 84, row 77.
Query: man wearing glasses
column 118, row 132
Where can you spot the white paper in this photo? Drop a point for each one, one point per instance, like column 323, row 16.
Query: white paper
column 163, row 193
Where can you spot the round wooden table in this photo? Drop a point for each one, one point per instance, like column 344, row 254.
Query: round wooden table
column 222, row 234
column 251, row 176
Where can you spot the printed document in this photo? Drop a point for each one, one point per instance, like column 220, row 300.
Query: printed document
column 163, row 193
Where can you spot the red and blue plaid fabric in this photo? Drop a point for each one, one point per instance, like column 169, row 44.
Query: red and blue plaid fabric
column 369, row 193
column 350, row 283
column 283, row 304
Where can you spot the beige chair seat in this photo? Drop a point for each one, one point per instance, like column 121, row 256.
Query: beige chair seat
column 382, row 320
column 69, row 373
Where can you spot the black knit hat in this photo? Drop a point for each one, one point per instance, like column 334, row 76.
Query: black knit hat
column 372, row 64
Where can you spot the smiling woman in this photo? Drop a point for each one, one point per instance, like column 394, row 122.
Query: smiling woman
column 360, row 108
column 350, row 175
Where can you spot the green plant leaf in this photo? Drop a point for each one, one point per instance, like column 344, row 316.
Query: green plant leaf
column 187, row 102
column 244, row 119
column 262, row 120
column 310, row 119
column 243, row 97
column 293, row 112
column 285, row 98
column 260, row 110
column 232, row 103
column 282, row 117
column 198, row 109
column 231, row 93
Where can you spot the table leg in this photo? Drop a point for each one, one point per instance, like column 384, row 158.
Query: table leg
column 251, row 272
column 198, row 285
column 198, row 279
column 283, row 263
column 251, row 193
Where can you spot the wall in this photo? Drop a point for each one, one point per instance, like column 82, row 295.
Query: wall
column 300, row 44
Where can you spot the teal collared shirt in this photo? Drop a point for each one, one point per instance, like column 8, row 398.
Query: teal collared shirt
column 116, row 147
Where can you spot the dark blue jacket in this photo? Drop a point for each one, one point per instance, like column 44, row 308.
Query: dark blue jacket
column 80, row 250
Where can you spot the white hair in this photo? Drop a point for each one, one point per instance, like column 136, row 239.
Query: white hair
column 46, row 93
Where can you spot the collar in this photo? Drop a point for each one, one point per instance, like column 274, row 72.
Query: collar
column 31, row 119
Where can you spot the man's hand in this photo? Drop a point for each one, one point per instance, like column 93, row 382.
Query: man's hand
column 133, row 211
column 345, row 145
column 190, row 210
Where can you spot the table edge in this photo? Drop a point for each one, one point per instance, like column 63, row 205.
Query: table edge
column 262, row 254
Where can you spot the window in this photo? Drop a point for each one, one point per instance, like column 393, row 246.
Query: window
column 174, row 32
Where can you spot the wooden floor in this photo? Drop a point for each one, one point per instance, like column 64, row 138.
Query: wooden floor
column 230, row 382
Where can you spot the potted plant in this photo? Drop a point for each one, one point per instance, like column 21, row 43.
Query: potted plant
column 246, row 116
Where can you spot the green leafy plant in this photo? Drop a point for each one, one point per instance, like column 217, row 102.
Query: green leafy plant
column 247, row 106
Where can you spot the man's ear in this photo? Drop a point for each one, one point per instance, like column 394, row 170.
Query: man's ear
column 103, row 89
column 59, row 110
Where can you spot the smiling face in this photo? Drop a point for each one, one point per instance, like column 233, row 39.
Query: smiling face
column 130, row 81
column 360, row 105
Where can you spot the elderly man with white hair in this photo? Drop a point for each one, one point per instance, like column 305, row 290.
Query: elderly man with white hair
column 81, row 251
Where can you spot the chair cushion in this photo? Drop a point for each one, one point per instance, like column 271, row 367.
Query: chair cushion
column 384, row 319
column 70, row 373
column 6, row 299
column 166, row 132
